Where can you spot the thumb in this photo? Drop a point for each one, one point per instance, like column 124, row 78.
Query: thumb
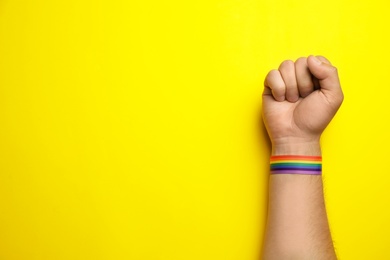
column 328, row 77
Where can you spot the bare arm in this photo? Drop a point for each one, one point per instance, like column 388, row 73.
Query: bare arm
column 297, row 225
column 299, row 101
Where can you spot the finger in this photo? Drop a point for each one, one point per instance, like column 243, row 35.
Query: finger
column 275, row 83
column 287, row 70
column 304, row 77
column 327, row 76
column 323, row 59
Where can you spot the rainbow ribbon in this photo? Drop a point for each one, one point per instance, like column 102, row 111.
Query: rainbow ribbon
column 296, row 164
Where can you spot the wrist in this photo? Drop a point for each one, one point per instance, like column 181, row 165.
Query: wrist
column 309, row 148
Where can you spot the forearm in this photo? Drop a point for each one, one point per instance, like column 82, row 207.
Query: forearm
column 297, row 226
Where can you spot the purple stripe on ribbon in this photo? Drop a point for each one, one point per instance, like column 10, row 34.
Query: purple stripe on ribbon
column 296, row 172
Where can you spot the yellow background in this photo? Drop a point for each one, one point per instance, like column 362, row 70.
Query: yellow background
column 132, row 129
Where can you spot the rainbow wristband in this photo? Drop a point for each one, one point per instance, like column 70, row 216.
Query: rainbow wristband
column 296, row 164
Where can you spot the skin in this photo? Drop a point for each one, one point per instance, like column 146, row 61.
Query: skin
column 299, row 100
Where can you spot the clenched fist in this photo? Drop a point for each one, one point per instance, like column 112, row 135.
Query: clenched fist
column 299, row 101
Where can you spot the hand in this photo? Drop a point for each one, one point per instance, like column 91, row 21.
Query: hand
column 299, row 101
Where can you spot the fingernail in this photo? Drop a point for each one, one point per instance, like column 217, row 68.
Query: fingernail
column 316, row 60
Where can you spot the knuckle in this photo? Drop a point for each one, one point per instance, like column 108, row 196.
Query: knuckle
column 272, row 75
column 301, row 60
column 286, row 64
column 269, row 74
